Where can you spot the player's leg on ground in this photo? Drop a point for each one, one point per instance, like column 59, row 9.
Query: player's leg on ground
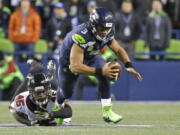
column 105, row 93
column 104, row 89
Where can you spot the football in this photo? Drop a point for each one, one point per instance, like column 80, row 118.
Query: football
column 118, row 66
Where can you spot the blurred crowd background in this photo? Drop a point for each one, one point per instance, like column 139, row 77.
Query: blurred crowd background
column 147, row 30
column 25, row 22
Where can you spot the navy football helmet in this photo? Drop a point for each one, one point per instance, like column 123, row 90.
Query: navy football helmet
column 101, row 23
column 39, row 86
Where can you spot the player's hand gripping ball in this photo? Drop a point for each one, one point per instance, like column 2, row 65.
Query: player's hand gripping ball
column 118, row 73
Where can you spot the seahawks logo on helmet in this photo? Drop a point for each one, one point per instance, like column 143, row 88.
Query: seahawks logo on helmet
column 94, row 16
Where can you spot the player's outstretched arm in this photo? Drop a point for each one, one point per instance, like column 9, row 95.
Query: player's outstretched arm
column 123, row 56
column 119, row 51
column 64, row 112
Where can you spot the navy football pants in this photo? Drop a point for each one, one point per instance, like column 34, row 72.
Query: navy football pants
column 67, row 80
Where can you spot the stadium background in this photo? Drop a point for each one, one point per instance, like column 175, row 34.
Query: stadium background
column 161, row 82
column 161, row 78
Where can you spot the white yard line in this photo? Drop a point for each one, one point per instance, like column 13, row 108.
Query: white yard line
column 85, row 125
column 114, row 125
column 116, row 102
column 126, row 102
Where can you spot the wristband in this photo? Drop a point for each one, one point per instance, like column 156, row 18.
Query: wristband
column 128, row 64
column 98, row 71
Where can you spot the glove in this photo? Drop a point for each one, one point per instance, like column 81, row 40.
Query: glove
column 42, row 115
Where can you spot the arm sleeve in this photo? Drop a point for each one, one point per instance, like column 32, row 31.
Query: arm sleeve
column 80, row 41
column 65, row 112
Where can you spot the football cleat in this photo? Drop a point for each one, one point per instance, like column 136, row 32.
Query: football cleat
column 110, row 116
column 66, row 121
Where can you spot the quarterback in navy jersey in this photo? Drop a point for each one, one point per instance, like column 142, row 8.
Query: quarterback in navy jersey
column 79, row 54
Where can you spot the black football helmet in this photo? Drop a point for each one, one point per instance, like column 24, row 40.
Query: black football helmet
column 39, row 87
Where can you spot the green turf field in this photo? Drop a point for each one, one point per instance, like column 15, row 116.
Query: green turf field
column 140, row 118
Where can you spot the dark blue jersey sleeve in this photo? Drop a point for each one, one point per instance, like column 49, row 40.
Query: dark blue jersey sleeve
column 80, row 38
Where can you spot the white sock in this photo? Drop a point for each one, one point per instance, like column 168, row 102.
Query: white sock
column 106, row 102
